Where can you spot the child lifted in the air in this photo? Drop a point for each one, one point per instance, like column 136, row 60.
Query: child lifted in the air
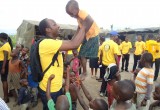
column 90, row 45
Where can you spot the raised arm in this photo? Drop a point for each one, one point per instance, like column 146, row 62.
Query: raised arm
column 87, row 94
column 75, row 42
column 88, row 23
column 67, row 80
column 76, row 32
column 80, row 99
column 48, row 86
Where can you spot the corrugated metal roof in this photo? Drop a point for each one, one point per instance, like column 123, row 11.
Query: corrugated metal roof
column 151, row 29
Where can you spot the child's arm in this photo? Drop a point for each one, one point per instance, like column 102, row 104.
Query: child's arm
column 118, row 76
column 71, row 59
column 148, row 94
column 23, row 70
column 87, row 94
column 116, row 59
column 88, row 21
column 48, row 86
column 80, row 98
column 67, row 80
column 76, row 32
column 149, row 91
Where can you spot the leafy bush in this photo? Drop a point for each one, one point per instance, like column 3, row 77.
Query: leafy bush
column 13, row 37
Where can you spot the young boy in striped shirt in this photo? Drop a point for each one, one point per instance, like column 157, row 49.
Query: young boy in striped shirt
column 144, row 82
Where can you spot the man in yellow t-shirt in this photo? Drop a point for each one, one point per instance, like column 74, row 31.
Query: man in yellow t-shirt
column 108, row 55
column 157, row 59
column 139, row 49
column 89, row 48
column 47, row 49
column 126, row 46
column 151, row 46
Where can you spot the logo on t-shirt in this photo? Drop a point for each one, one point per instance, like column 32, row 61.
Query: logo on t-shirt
column 106, row 47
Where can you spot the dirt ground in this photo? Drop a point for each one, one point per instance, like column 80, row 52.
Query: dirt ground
column 91, row 84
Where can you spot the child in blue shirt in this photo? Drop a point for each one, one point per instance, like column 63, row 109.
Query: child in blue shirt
column 33, row 87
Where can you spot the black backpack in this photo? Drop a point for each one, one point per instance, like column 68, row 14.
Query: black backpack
column 36, row 69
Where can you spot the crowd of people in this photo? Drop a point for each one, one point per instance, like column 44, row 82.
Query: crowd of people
column 60, row 85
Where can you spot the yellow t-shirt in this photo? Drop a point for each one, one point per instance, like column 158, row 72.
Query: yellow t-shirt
column 139, row 47
column 158, row 53
column 119, row 49
column 94, row 29
column 151, row 46
column 5, row 47
column 47, row 49
column 126, row 46
column 79, row 48
column 69, row 52
column 108, row 49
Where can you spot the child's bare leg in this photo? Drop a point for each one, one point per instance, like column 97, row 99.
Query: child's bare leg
column 92, row 72
column 96, row 72
column 84, row 63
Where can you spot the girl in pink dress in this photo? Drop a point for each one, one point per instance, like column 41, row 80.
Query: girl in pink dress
column 75, row 63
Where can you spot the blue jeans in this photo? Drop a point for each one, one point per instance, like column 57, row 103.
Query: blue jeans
column 54, row 96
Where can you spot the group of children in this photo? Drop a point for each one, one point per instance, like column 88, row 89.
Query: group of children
column 20, row 83
column 71, row 87
column 120, row 95
column 120, row 92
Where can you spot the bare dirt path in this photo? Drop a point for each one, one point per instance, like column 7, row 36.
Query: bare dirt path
column 91, row 84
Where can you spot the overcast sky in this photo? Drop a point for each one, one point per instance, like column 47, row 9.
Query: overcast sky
column 120, row 13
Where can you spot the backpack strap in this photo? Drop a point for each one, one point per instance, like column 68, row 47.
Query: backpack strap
column 52, row 63
column 55, row 58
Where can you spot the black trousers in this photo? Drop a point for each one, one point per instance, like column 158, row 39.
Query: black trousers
column 125, row 60
column 136, row 59
column 102, row 72
column 157, row 67
column 104, row 83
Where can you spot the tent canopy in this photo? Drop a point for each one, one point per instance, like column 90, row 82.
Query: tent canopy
column 29, row 28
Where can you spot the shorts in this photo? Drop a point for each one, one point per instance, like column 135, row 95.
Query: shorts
column 93, row 63
column 5, row 75
column 89, row 48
